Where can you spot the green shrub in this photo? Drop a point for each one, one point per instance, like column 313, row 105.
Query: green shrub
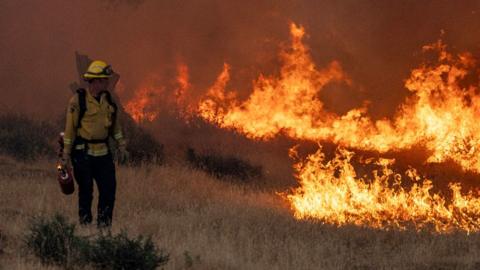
column 120, row 252
column 220, row 166
column 54, row 241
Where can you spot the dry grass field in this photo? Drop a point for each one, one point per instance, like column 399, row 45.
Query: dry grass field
column 209, row 223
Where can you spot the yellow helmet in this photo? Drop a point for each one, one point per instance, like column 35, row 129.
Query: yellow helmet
column 98, row 69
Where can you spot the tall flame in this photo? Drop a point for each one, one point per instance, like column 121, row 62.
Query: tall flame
column 285, row 104
column 440, row 114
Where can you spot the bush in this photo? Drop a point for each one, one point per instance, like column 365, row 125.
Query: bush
column 120, row 252
column 142, row 146
column 219, row 166
column 54, row 242
column 25, row 139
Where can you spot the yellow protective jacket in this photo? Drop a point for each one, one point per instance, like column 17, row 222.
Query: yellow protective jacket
column 95, row 125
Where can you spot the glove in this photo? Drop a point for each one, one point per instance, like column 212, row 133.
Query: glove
column 65, row 161
column 123, row 155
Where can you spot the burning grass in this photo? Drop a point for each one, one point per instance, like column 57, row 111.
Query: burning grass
column 204, row 223
column 333, row 192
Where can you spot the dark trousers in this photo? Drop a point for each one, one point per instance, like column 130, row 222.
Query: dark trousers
column 85, row 169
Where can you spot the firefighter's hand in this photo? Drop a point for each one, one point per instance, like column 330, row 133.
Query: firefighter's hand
column 123, row 155
column 65, row 160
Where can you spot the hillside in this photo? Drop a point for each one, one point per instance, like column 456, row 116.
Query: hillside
column 209, row 223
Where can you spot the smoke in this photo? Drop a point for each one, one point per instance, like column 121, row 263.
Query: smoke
column 377, row 43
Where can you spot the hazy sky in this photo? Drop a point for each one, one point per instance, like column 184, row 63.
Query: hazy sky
column 377, row 42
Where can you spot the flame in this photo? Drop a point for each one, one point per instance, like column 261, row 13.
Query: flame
column 333, row 192
column 285, row 104
column 439, row 115
column 210, row 108
column 144, row 105
column 183, row 81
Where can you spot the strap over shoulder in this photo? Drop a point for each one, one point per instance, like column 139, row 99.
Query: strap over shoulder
column 109, row 99
column 82, row 103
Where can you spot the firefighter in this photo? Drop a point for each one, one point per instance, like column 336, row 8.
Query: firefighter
column 91, row 121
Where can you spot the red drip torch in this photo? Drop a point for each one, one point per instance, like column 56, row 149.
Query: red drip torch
column 64, row 176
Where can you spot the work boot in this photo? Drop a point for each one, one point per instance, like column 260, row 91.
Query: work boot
column 104, row 222
column 85, row 220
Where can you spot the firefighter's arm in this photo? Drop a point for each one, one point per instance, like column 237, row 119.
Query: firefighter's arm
column 70, row 125
column 123, row 154
column 118, row 134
